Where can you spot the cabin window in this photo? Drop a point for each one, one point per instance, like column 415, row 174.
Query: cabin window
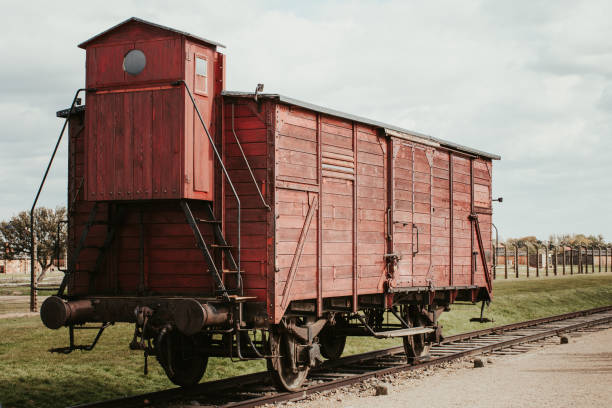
column 134, row 62
column 201, row 74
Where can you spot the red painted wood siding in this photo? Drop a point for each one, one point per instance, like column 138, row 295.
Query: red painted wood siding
column 341, row 250
column 146, row 142
column 371, row 209
column 251, row 128
column 353, row 197
column 133, row 145
column 162, row 48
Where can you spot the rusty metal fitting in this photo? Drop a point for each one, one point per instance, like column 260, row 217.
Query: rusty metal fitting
column 56, row 312
column 191, row 316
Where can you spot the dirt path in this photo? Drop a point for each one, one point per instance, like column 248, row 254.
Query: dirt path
column 578, row 374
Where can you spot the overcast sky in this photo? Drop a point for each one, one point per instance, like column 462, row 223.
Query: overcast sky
column 529, row 80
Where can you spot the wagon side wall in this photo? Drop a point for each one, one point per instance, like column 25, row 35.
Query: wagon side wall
column 332, row 193
column 330, row 203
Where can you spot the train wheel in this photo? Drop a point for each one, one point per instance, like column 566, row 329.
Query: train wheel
column 177, row 354
column 415, row 347
column 287, row 373
column 332, row 344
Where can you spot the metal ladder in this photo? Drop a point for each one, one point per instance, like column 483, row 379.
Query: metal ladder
column 220, row 243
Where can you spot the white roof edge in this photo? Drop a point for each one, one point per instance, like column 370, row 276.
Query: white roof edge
column 387, row 127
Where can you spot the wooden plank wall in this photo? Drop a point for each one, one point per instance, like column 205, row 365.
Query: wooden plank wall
column 402, row 217
column 371, row 209
column 78, row 208
column 440, row 219
column 422, row 187
column 172, row 262
column 251, row 128
column 343, row 164
column 296, row 135
column 462, row 261
column 135, row 144
column 336, row 166
column 482, row 172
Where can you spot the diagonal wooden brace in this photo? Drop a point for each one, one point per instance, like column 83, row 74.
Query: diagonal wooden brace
column 298, row 251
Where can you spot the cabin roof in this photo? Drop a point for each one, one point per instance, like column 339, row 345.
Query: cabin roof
column 139, row 20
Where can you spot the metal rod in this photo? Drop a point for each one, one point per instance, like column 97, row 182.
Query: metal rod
column 247, row 164
column 452, row 215
column 212, row 268
column 33, row 289
column 495, row 252
column 472, row 276
column 229, row 180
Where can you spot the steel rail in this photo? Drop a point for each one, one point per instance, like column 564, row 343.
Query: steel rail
column 455, row 345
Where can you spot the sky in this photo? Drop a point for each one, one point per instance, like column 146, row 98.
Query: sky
column 528, row 80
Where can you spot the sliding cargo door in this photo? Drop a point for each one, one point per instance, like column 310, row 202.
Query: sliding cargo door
column 422, row 216
column 401, row 210
column 410, row 210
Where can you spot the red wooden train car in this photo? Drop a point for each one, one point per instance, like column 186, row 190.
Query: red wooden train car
column 254, row 225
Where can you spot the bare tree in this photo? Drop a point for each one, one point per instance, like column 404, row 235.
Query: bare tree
column 15, row 236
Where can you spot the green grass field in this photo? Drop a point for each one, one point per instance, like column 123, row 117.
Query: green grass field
column 32, row 377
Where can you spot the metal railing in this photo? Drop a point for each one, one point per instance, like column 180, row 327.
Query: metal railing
column 227, row 176
column 33, row 290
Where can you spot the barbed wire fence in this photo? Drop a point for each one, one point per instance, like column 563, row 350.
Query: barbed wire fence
column 513, row 261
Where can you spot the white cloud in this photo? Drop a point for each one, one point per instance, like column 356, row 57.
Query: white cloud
column 530, row 80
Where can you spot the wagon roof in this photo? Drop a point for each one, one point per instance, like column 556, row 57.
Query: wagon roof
column 291, row 101
column 139, row 20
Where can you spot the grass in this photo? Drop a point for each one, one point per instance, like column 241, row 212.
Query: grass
column 533, row 272
column 32, row 377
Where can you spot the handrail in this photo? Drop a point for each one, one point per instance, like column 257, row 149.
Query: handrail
column 33, row 305
column 229, row 180
column 247, row 164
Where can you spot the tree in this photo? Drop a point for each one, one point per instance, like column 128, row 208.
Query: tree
column 15, row 236
column 530, row 241
column 569, row 240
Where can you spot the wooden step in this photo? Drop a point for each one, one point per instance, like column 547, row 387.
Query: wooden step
column 208, row 221
column 220, row 246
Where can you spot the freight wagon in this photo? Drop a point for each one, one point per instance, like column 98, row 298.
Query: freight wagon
column 251, row 225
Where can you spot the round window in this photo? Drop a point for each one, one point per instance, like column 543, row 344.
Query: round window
column 134, row 62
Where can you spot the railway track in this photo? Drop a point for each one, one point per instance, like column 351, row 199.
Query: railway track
column 256, row 389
